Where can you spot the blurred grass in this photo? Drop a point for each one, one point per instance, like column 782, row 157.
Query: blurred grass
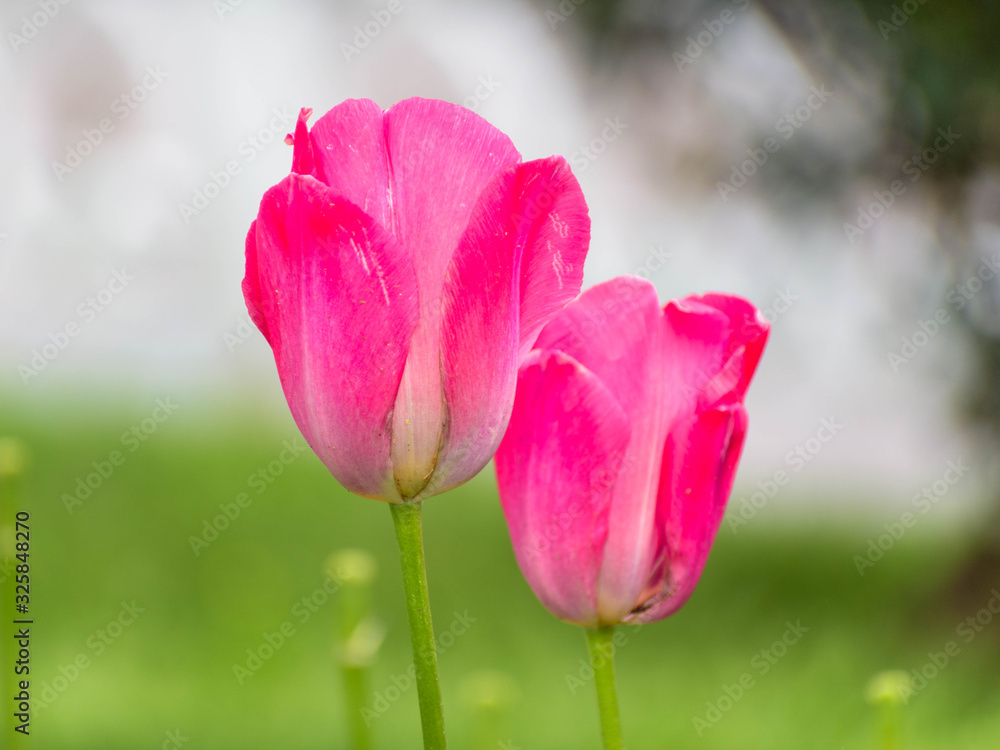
column 172, row 669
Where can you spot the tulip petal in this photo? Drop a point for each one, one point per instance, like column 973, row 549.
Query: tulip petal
column 348, row 144
column 303, row 159
column 555, row 227
column 251, row 284
column 417, row 169
column 743, row 347
column 615, row 330
column 442, row 158
column 521, row 254
column 712, row 345
column 711, row 348
column 336, row 296
column 610, row 330
column 556, row 469
column 699, row 465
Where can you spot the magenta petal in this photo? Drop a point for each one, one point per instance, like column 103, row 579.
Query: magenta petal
column 303, row 161
column 712, row 346
column 556, row 467
column 251, row 284
column 555, row 228
column 351, row 157
column 611, row 330
column 515, row 256
column 615, row 330
column 442, row 157
column 743, row 347
column 338, row 297
column 699, row 465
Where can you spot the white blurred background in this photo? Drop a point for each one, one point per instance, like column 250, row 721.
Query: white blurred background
column 185, row 88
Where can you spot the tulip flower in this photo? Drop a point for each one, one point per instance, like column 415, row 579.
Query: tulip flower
column 400, row 273
column 620, row 454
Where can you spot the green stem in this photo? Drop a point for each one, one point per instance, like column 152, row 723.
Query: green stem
column 409, row 536
column 602, row 659
column 355, row 688
column 892, row 736
column 358, row 636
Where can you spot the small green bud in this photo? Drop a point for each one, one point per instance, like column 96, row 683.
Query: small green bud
column 891, row 688
column 352, row 567
column 361, row 647
column 489, row 690
column 13, row 457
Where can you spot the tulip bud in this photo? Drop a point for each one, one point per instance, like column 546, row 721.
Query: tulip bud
column 622, row 447
column 401, row 273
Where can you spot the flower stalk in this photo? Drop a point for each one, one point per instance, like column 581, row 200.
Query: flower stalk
column 359, row 636
column 409, row 535
column 602, row 660
column 888, row 692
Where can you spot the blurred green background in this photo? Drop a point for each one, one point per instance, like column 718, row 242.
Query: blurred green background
column 172, row 669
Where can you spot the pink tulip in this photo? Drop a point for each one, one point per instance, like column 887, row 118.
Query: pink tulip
column 400, row 273
column 621, row 450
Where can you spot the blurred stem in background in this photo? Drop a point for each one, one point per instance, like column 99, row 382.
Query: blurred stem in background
column 488, row 696
column 888, row 692
column 602, row 659
column 13, row 461
column 410, row 537
column 358, row 636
